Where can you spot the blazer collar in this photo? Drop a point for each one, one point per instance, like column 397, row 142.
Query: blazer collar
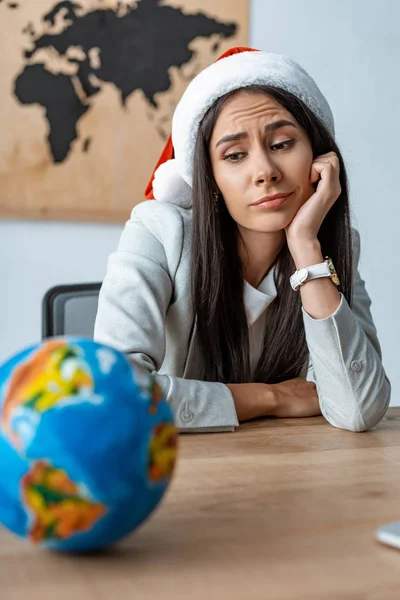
column 256, row 300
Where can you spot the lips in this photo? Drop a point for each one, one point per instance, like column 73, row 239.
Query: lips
column 272, row 201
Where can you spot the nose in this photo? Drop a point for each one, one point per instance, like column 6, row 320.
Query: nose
column 266, row 171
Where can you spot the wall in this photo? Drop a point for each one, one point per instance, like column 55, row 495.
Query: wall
column 37, row 256
column 352, row 49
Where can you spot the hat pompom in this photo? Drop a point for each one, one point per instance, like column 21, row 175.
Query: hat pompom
column 169, row 186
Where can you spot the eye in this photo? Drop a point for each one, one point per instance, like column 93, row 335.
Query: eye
column 283, row 145
column 233, row 156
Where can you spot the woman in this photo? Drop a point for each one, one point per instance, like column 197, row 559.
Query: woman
column 221, row 286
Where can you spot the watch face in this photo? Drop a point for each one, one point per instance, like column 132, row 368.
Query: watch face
column 334, row 276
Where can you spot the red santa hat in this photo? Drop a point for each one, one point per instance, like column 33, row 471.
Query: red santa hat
column 237, row 68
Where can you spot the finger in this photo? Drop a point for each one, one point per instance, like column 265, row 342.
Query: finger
column 314, row 176
column 317, row 171
column 327, row 155
column 330, row 183
column 331, row 163
column 332, row 160
column 325, row 171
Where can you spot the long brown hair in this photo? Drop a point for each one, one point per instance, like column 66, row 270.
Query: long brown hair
column 217, row 275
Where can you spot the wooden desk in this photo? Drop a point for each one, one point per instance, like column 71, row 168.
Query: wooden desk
column 280, row 509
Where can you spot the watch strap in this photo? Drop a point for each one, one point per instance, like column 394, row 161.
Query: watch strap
column 300, row 276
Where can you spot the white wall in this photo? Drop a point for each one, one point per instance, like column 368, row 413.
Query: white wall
column 352, row 49
column 37, row 256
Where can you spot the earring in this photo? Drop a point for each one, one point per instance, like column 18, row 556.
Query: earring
column 216, row 196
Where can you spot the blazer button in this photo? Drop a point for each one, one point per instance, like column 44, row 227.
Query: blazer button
column 356, row 366
column 187, row 415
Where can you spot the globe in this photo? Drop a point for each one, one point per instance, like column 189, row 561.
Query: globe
column 87, row 444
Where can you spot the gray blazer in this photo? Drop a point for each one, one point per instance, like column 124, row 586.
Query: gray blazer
column 145, row 311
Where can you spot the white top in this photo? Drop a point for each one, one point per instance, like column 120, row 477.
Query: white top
column 256, row 302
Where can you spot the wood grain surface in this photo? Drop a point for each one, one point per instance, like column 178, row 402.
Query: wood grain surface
column 280, row 509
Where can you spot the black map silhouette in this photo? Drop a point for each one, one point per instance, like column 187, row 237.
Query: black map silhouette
column 135, row 46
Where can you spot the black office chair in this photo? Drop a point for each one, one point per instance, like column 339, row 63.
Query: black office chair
column 70, row 309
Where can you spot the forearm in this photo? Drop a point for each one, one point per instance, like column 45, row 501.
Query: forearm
column 252, row 400
column 319, row 297
column 353, row 389
column 195, row 404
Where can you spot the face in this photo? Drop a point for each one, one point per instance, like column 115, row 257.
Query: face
column 258, row 149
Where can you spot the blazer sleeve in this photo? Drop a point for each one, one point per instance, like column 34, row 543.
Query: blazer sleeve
column 353, row 389
column 133, row 303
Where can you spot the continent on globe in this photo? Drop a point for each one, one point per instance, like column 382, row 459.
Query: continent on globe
column 135, row 49
column 149, row 388
column 53, row 374
column 162, row 451
column 156, row 395
column 59, row 508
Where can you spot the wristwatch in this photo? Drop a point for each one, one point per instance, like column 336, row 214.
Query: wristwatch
column 324, row 269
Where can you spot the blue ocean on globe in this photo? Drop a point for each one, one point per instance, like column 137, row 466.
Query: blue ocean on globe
column 87, row 444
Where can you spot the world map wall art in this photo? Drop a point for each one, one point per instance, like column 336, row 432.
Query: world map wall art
column 88, row 89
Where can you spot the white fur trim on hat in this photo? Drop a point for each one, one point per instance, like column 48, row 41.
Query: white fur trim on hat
column 168, row 185
column 232, row 73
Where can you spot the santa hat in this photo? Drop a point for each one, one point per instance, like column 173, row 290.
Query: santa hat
column 239, row 67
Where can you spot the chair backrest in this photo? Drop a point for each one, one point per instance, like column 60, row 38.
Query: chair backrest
column 70, row 309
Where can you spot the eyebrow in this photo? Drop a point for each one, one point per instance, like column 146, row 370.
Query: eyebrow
column 235, row 137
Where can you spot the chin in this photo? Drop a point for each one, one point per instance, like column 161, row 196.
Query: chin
column 270, row 223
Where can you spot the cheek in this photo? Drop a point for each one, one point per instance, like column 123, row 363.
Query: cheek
column 302, row 166
column 231, row 183
column 233, row 189
column 302, row 173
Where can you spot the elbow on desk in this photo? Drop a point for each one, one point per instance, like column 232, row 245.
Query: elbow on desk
column 367, row 413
